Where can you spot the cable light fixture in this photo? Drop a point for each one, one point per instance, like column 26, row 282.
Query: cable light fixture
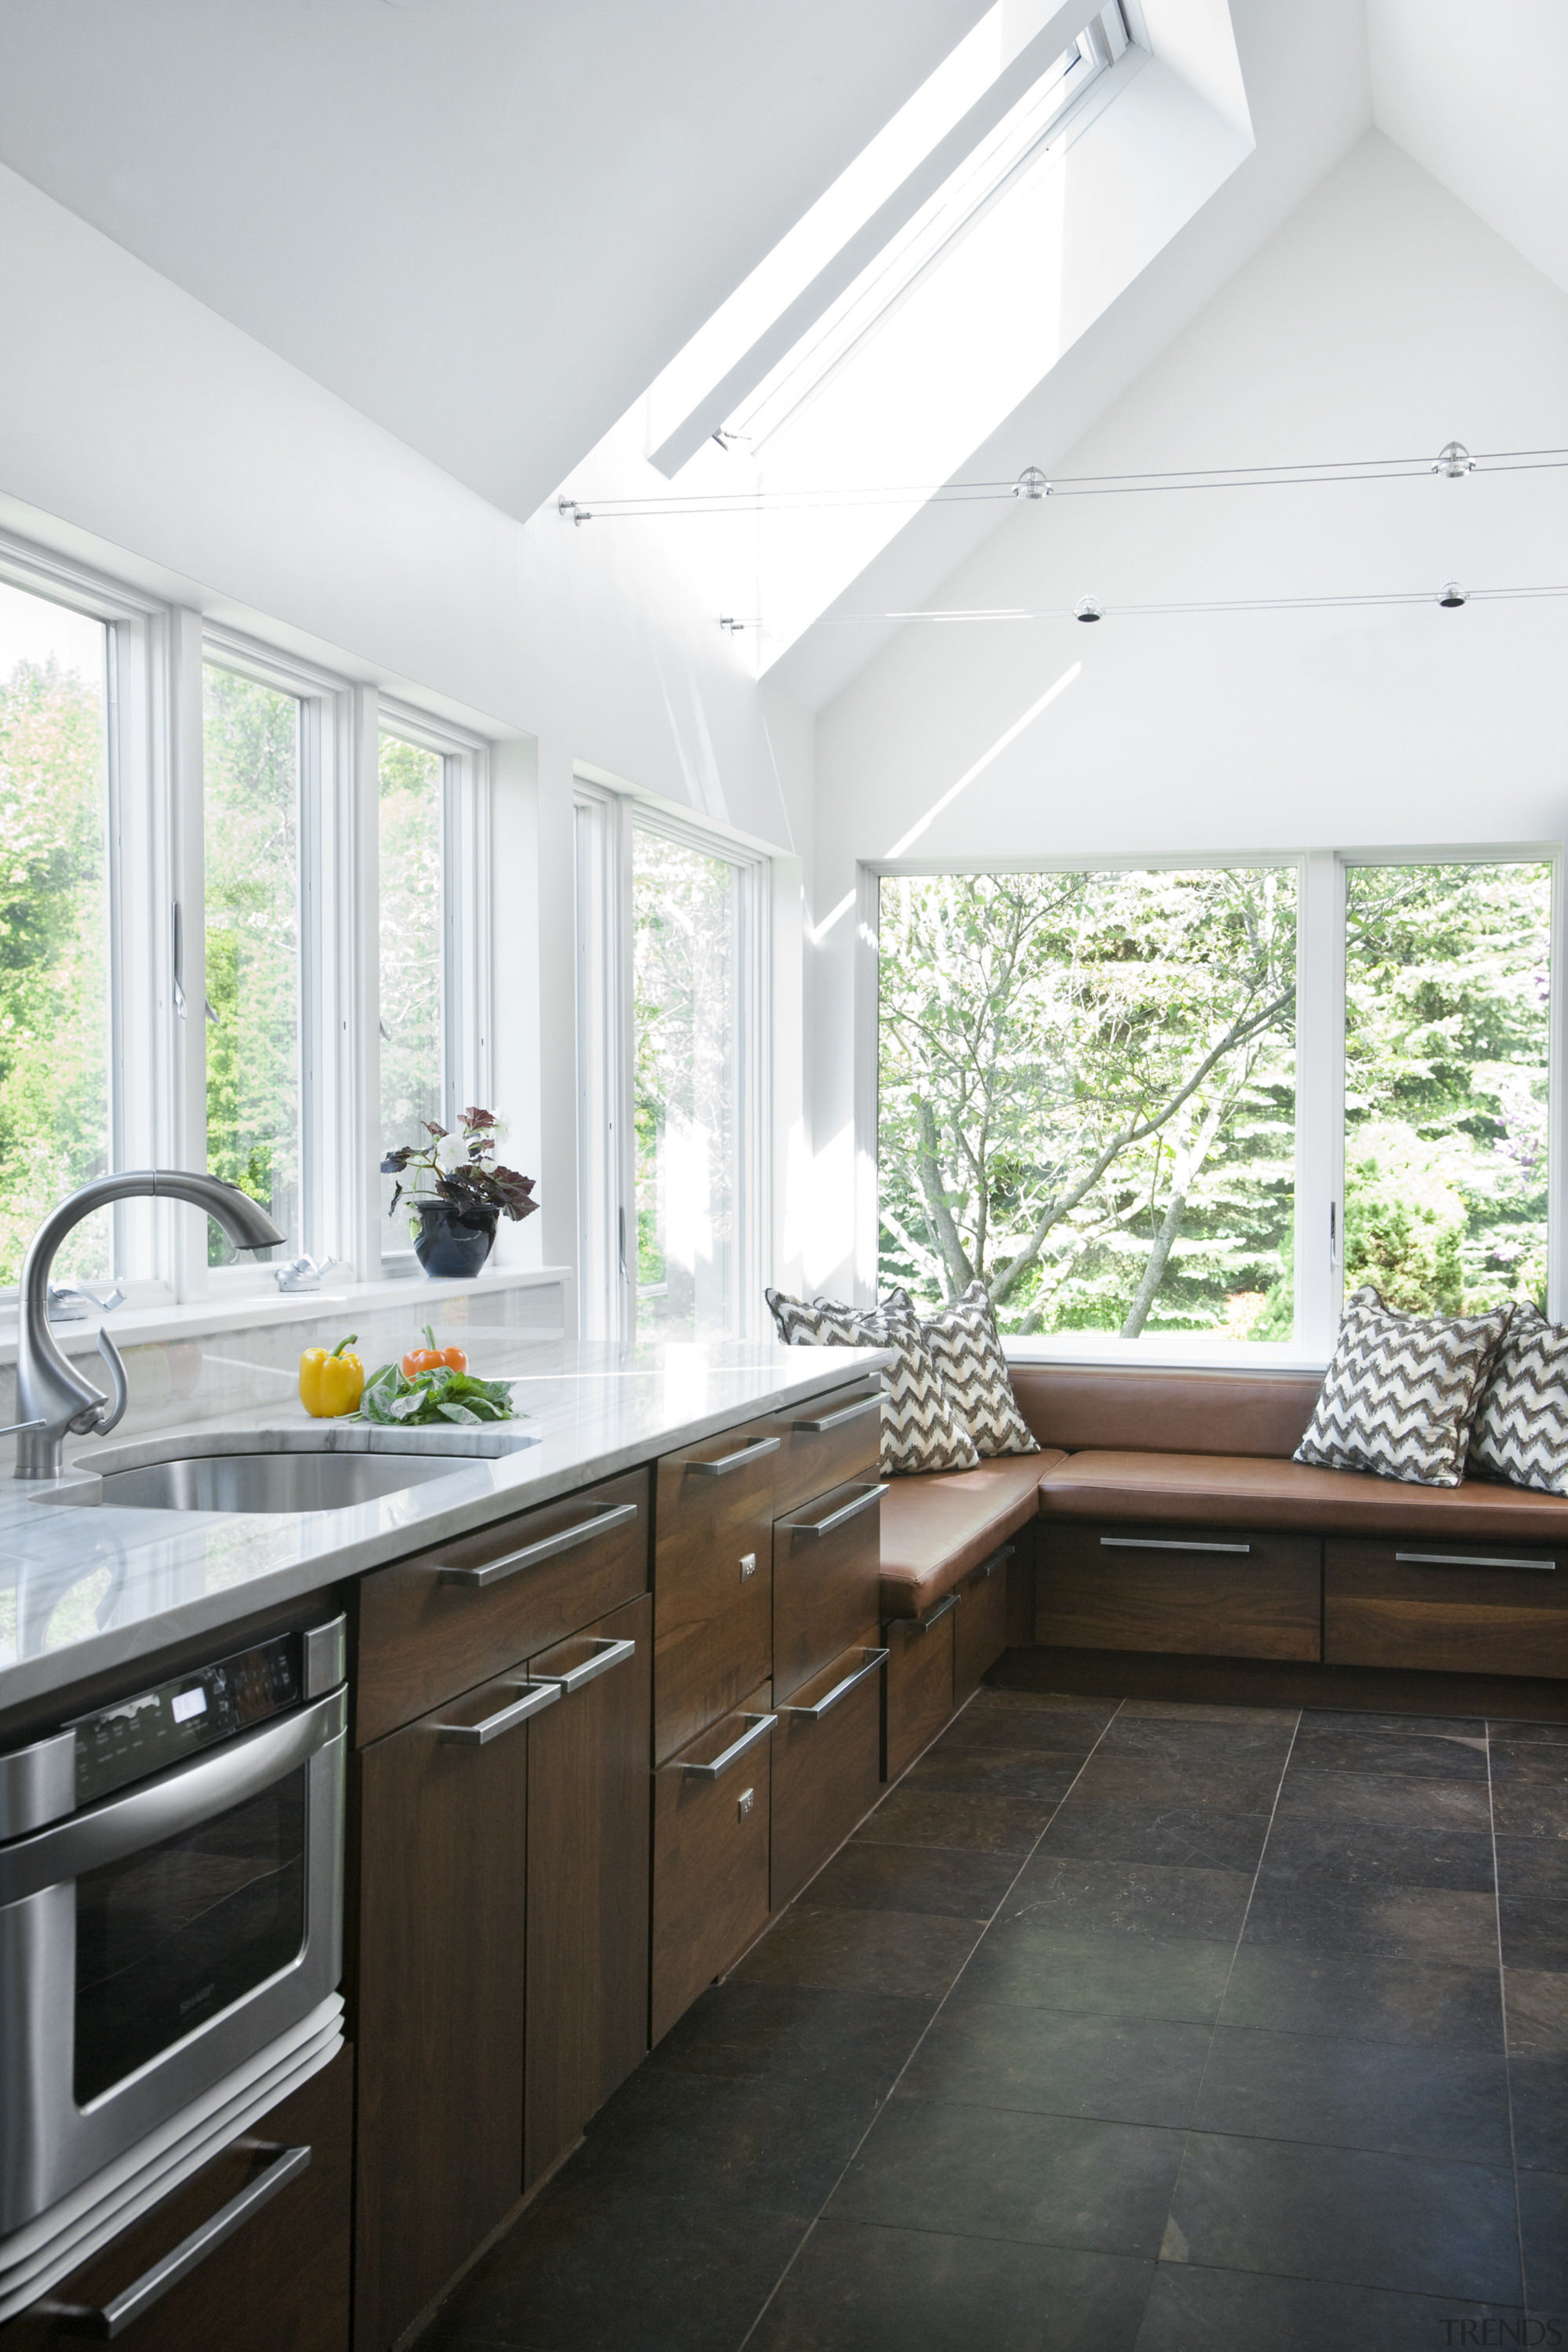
column 1452, row 463
column 1451, row 597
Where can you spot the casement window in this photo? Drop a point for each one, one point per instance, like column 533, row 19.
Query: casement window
column 1180, row 1110
column 201, row 839
column 672, row 953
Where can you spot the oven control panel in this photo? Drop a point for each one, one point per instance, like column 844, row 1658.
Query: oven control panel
column 189, row 1712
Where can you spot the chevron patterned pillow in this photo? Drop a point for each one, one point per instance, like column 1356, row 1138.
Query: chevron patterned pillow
column 921, row 1430
column 1401, row 1392
column 1521, row 1431
column 967, row 1348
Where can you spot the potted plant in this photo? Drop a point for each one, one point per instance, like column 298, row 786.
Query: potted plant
column 460, row 1192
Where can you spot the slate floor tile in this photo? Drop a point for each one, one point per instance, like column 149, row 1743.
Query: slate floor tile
column 937, row 1817
column 864, row 1876
column 1400, row 2222
column 1196, row 1838
column 582, row 2272
column 1049, row 1729
column 1428, row 1756
column 915, row 1955
column 1389, row 2096
column 1537, row 2005
column 1542, row 1761
column 1532, row 1865
column 749, row 2139
column 1537, row 2088
column 1363, row 1997
column 1520, row 1733
column 1129, row 1898
column 860, row 2287
column 1544, row 2230
column 1122, row 1777
column 1392, row 1800
column 796, row 2033
column 1197, row 1744
column 1398, row 1726
column 1535, row 1930
column 1098, row 1975
column 1182, row 1710
column 1427, row 1922
column 1533, row 1809
column 988, row 2172
column 1193, row 2310
column 1358, row 1854
column 1124, row 2070
column 1039, row 1777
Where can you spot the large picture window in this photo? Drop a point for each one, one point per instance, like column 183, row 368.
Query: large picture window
column 1089, row 1095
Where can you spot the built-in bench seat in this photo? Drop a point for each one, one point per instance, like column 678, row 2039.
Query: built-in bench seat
column 939, row 1524
column 1219, row 1490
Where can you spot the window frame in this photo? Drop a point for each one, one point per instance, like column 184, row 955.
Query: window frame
column 1319, row 1083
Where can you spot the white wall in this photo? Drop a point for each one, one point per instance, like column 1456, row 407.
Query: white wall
column 141, row 432
column 1383, row 320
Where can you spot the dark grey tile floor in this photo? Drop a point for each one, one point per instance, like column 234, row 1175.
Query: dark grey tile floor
column 1124, row 2028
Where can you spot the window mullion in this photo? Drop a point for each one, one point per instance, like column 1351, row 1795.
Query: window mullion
column 183, row 1239
column 1320, row 1102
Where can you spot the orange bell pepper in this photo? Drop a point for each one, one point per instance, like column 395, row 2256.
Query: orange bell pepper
column 432, row 1359
column 330, row 1382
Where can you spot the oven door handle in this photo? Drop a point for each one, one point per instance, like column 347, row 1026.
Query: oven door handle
column 176, row 1801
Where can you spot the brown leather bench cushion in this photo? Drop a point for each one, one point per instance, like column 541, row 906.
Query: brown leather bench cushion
column 1164, row 1407
column 1239, row 1491
column 939, row 1524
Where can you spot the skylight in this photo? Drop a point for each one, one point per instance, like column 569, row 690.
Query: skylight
column 988, row 110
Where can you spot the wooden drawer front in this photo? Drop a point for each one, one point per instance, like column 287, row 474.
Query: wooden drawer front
column 1227, row 1594
column 712, row 1585
column 918, row 1698
column 828, row 1565
column 279, row 2284
column 826, row 1442
column 1453, row 1613
column 826, row 1768
column 439, row 2014
column 587, row 2024
column 709, row 1860
column 422, row 1639
column 980, row 1625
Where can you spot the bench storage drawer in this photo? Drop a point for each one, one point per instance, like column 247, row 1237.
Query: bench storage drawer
column 712, row 1611
column 980, row 1624
column 826, row 1766
column 1456, row 1609
column 1220, row 1594
column 438, row 1624
column 827, row 1441
column 711, row 1823
column 827, row 1574
column 918, row 1683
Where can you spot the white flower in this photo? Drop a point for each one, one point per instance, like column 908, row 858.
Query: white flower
column 451, row 1151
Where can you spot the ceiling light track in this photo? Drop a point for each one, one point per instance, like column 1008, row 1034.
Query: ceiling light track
column 1033, row 485
column 1452, row 596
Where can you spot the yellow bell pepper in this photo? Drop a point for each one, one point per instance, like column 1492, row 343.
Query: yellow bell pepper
column 331, row 1384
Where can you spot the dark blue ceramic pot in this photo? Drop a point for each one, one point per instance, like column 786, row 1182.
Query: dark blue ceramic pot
column 451, row 1239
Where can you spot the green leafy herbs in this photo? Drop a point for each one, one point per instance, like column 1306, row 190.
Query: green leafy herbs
column 441, row 1394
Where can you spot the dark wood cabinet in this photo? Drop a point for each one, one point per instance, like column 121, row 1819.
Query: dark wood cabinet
column 980, row 1627
column 826, row 1440
column 918, row 1683
column 710, row 1857
column 712, row 1619
column 1226, row 1595
column 826, row 1768
column 1447, row 1608
column 587, row 1881
column 826, row 1580
column 278, row 2283
column 443, row 1826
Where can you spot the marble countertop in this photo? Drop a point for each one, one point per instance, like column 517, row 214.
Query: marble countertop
column 90, row 1590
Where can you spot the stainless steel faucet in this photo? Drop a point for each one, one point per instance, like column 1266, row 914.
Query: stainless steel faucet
column 52, row 1399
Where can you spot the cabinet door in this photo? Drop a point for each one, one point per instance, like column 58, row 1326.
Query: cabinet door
column 713, row 1583
column 710, row 1856
column 980, row 1627
column 828, row 1570
column 587, row 1880
column 917, row 1698
column 443, row 1825
column 827, row 1441
column 826, row 1768
column 1219, row 1594
column 1448, row 1608
column 278, row 2282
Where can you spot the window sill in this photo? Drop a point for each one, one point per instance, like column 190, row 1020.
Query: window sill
column 1180, row 1352
column 253, row 1310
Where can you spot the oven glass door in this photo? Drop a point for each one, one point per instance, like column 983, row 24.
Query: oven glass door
column 174, row 1933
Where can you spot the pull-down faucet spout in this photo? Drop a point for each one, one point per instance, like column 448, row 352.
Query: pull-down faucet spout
column 51, row 1398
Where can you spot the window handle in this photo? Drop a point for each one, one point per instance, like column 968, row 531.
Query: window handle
column 179, row 961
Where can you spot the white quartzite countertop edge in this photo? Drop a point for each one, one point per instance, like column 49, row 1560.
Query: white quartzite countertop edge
column 86, row 1591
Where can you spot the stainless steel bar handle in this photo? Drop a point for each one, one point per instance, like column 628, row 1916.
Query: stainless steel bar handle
column 757, row 1728
column 609, row 1653
column 932, row 1616
column 180, row 1798
column 989, row 1567
column 535, row 1697
column 1471, row 1559
column 845, row 1412
column 866, row 1500
column 1167, row 1543
column 870, row 1662
column 545, row 1548
column 753, row 1450
column 105, row 2321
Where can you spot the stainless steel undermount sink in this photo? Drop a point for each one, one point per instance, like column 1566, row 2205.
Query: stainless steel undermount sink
column 331, row 1469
